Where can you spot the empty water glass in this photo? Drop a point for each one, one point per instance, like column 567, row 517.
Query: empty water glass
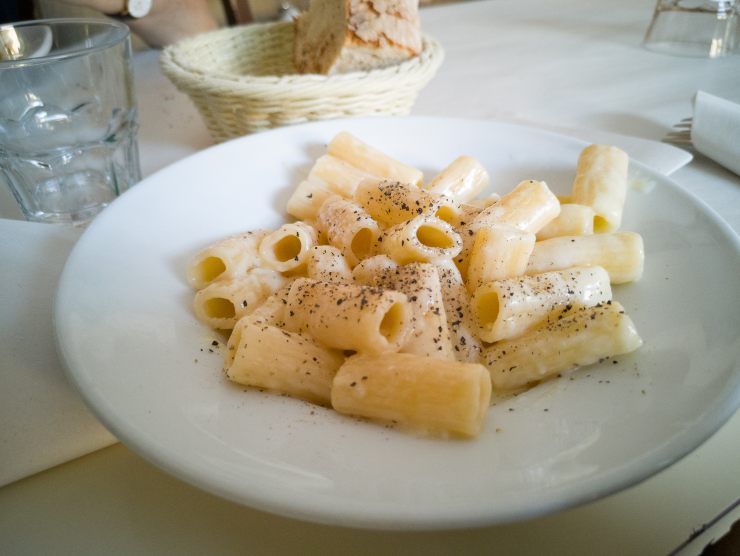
column 701, row 28
column 68, row 117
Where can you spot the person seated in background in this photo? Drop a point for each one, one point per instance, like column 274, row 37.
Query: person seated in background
column 164, row 22
column 160, row 22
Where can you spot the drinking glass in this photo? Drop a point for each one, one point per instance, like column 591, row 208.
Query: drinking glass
column 68, row 118
column 700, row 28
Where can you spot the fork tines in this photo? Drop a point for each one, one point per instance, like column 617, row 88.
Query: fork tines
column 681, row 133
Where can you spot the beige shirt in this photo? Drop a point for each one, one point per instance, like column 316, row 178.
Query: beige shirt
column 262, row 10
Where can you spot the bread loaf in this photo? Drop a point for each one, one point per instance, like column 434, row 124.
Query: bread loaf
column 339, row 36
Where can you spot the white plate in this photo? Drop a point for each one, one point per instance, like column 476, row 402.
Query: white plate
column 134, row 349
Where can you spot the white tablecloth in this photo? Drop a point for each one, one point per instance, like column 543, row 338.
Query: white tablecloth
column 569, row 66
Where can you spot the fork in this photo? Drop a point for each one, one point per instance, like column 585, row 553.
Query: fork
column 680, row 134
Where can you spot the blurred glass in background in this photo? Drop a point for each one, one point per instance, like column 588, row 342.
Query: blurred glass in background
column 705, row 28
column 68, row 117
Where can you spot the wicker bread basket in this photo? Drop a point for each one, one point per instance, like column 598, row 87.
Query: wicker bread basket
column 242, row 80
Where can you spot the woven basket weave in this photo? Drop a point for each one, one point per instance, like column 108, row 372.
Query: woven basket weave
column 242, row 80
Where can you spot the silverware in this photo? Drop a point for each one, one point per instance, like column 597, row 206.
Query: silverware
column 680, row 134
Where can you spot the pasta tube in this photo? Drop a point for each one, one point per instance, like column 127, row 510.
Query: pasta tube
column 421, row 239
column 432, row 396
column 307, row 198
column 226, row 259
column 327, row 264
column 484, row 203
column 368, row 159
column 601, row 183
column 462, row 180
column 391, row 203
column 366, row 272
column 509, row 308
column 460, row 321
column 420, row 282
column 221, row 304
column 527, row 207
column 341, row 176
column 622, row 254
column 286, row 249
column 573, row 220
column 462, row 216
column 349, row 228
column 579, row 336
column 272, row 311
column 468, row 212
column 360, row 318
column 498, row 253
column 265, row 356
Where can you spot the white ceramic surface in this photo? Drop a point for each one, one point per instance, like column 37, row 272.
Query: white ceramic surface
column 141, row 360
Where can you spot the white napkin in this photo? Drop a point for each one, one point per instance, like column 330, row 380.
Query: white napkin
column 43, row 420
column 715, row 131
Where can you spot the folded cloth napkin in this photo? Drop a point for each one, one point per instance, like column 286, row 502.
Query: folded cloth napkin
column 715, row 131
column 44, row 420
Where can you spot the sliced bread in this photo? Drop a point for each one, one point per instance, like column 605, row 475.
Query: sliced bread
column 339, row 36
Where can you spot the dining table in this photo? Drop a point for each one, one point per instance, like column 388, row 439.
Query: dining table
column 573, row 67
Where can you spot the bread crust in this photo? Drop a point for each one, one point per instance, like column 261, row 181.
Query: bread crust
column 337, row 36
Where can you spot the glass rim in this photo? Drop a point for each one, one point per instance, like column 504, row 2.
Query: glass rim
column 122, row 34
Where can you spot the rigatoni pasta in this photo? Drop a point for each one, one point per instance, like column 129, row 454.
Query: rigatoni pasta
column 326, row 263
column 359, row 318
column 266, row 356
column 528, row 207
column 477, row 205
column 226, row 259
column 365, row 272
column 286, row 249
column 573, row 220
column 407, row 302
column 342, row 177
column 349, row 228
column 392, row 203
column 308, row 197
column 498, row 253
column 622, row 254
column 349, row 148
column 577, row 337
column 601, row 183
column 421, row 239
column 434, row 396
column 421, row 284
column 329, row 176
column 221, row 304
column 460, row 322
column 462, row 180
column 508, row 308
